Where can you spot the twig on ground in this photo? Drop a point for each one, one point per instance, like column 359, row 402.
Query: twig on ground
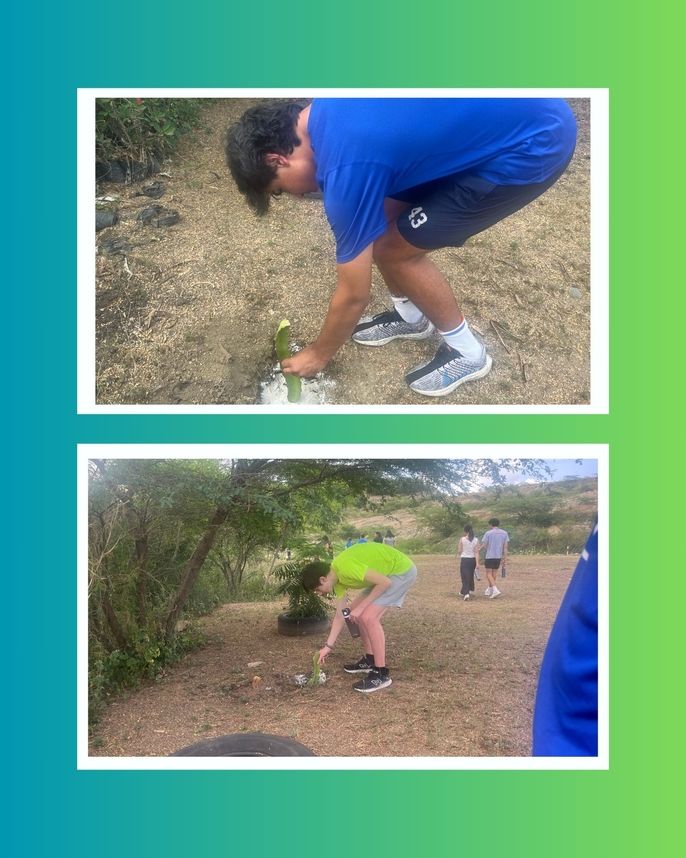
column 511, row 265
column 564, row 271
column 497, row 333
column 505, row 329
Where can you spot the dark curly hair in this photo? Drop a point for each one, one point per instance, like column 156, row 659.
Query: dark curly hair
column 310, row 574
column 260, row 131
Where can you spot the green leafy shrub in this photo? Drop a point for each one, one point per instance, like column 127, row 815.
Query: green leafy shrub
column 115, row 671
column 138, row 129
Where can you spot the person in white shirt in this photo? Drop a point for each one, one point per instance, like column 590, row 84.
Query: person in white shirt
column 468, row 552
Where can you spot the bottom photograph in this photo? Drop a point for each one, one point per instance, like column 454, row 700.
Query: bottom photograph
column 375, row 606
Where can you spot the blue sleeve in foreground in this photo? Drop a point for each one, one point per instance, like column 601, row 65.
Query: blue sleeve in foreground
column 566, row 711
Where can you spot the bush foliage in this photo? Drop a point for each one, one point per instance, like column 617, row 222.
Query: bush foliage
column 138, row 129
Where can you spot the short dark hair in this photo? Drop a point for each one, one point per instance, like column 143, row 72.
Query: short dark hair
column 494, row 522
column 310, row 574
column 260, row 131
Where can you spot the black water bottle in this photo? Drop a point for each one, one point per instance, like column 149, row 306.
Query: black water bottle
column 351, row 624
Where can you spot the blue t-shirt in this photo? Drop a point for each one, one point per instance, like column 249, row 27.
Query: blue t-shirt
column 566, row 711
column 366, row 149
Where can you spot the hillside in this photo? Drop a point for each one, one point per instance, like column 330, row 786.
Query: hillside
column 545, row 518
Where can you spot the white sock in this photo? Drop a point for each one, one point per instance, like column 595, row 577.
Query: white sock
column 462, row 339
column 407, row 310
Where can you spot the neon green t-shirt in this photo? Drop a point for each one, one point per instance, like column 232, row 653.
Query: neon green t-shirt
column 352, row 564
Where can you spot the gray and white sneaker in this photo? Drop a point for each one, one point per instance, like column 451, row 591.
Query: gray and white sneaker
column 385, row 327
column 446, row 371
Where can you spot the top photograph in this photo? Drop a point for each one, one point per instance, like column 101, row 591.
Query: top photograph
column 383, row 251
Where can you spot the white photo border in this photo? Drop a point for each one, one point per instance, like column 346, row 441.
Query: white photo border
column 599, row 278
column 599, row 452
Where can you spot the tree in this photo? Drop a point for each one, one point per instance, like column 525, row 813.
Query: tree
column 154, row 523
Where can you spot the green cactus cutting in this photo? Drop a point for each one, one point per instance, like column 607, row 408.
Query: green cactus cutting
column 283, row 351
column 314, row 679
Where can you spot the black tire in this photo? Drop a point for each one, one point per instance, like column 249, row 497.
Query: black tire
column 246, row 745
column 298, row 626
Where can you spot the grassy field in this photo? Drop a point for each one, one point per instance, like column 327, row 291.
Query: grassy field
column 464, row 676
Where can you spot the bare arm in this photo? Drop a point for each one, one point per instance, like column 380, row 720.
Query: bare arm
column 345, row 308
column 336, row 625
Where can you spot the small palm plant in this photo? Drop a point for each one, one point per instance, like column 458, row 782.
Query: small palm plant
column 301, row 602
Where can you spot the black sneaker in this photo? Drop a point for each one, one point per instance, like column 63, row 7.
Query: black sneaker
column 375, row 681
column 385, row 327
column 361, row 666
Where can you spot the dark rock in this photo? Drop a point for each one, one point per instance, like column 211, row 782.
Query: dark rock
column 148, row 213
column 168, row 219
column 112, row 171
column 123, row 171
column 115, row 246
column 104, row 218
column 154, row 191
column 158, row 216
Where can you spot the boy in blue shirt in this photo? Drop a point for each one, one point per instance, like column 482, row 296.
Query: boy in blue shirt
column 400, row 178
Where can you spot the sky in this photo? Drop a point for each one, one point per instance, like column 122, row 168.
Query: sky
column 561, row 469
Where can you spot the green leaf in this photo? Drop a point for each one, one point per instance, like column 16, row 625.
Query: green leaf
column 283, row 351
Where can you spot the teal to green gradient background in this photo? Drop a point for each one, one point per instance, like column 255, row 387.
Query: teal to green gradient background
column 634, row 49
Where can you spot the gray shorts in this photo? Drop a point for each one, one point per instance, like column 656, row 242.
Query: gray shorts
column 394, row 596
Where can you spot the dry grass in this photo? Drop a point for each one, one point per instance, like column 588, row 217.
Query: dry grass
column 188, row 314
column 464, row 676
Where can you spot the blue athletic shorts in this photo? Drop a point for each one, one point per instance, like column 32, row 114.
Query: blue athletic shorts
column 448, row 211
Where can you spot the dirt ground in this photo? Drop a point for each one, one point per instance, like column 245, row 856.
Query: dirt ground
column 464, row 676
column 187, row 314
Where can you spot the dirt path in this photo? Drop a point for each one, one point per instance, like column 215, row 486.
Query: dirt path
column 188, row 313
column 464, row 676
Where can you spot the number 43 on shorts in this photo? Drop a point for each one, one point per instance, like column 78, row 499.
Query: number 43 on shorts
column 417, row 217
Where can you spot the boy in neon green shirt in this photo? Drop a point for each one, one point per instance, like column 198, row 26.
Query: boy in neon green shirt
column 383, row 575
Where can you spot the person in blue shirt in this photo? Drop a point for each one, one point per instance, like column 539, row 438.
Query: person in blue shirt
column 566, row 711
column 400, row 178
